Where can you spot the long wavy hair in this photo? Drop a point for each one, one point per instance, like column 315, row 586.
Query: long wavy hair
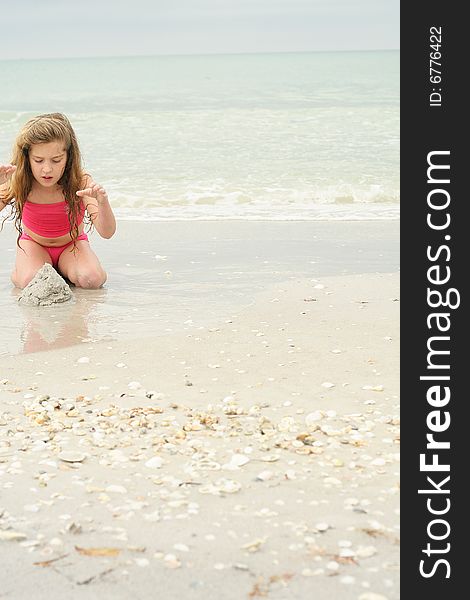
column 52, row 127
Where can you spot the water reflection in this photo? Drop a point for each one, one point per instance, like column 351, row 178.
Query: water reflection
column 58, row 326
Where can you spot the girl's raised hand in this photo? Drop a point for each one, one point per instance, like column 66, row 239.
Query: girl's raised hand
column 96, row 191
column 6, row 171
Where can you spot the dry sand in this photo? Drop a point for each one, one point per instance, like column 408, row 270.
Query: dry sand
column 256, row 457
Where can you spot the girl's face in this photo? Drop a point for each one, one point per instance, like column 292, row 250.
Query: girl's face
column 48, row 162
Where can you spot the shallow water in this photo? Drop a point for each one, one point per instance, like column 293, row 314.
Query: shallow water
column 211, row 269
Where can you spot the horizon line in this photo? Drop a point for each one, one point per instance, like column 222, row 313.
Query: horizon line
column 200, row 54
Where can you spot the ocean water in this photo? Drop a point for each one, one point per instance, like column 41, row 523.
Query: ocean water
column 294, row 136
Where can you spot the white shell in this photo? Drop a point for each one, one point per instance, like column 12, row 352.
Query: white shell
column 154, row 463
column 72, row 456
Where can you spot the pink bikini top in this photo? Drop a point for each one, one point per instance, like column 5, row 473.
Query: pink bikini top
column 49, row 220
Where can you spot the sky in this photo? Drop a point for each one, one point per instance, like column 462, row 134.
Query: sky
column 62, row 29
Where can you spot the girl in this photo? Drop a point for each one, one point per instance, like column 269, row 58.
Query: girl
column 50, row 197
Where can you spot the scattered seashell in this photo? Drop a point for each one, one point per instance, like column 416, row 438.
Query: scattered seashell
column 322, row 526
column 270, row 458
column 328, row 384
column 154, row 463
column 236, row 461
column 265, row 475
column 171, row 561
column 366, row 551
column 134, row 385
column 116, row 489
column 12, row 536
column 72, row 456
column 241, row 566
column 83, row 359
column 312, row 418
column 254, row 546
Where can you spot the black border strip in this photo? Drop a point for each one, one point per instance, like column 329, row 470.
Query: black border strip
column 433, row 124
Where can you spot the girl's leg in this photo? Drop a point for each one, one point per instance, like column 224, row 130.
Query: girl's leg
column 30, row 257
column 82, row 267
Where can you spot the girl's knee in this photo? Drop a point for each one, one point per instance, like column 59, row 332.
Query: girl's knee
column 92, row 279
column 21, row 280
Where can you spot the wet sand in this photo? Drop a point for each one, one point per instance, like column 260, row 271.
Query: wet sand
column 251, row 451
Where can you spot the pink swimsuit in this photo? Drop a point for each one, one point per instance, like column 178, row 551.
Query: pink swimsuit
column 50, row 220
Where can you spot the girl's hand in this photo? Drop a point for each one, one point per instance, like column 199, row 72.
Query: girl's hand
column 6, row 171
column 96, row 191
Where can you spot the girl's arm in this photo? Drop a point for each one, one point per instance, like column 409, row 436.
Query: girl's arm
column 97, row 204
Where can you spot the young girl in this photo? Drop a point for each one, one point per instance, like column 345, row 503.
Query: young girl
column 50, row 198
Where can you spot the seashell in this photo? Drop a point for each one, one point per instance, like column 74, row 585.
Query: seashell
column 72, row 456
column 254, row 546
column 207, row 465
column 322, row 526
column 327, row 384
column 116, row 489
column 286, row 424
column 270, row 458
column 228, row 486
column 312, row 418
column 153, row 517
column 331, row 481
column 154, row 463
column 83, row 360
column 142, row 562
column 73, row 527
column 264, row 476
column 171, row 561
column 366, row 551
column 134, row 385
column 12, row 536
column 240, row 566
column 237, row 460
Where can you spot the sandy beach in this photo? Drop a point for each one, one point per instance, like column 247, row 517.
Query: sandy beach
column 221, row 420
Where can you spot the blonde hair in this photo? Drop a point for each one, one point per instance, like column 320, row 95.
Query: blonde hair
column 52, row 127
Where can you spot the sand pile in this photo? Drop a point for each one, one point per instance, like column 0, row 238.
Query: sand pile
column 47, row 288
